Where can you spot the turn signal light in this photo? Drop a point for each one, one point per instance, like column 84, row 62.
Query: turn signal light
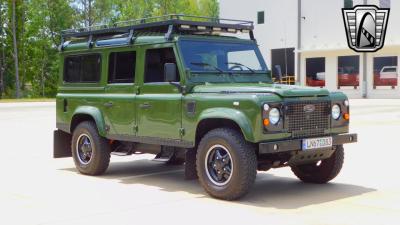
column 266, row 122
column 346, row 116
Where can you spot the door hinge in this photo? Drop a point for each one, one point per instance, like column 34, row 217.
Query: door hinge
column 182, row 131
column 138, row 90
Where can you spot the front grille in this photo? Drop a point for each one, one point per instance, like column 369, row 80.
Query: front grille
column 307, row 124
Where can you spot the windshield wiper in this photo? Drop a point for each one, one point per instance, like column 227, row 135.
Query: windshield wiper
column 239, row 64
column 202, row 64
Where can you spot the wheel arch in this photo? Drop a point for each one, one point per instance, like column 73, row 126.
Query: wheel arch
column 88, row 113
column 223, row 117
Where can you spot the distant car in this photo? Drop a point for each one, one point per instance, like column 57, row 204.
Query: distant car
column 318, row 81
column 348, row 78
column 386, row 77
column 388, row 72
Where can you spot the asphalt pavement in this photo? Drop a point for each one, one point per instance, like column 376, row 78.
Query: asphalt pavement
column 36, row 189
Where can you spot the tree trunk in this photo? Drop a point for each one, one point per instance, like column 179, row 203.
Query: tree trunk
column 14, row 31
column 2, row 61
column 2, row 69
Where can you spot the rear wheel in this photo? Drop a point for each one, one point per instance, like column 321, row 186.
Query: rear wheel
column 226, row 164
column 322, row 171
column 90, row 151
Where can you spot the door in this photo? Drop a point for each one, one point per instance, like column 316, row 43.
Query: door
column 158, row 103
column 120, row 93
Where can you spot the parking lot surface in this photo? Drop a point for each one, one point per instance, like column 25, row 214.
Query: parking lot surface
column 36, row 189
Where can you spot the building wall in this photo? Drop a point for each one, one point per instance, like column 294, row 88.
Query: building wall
column 279, row 29
column 323, row 35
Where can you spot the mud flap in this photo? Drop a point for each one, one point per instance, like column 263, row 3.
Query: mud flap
column 62, row 144
column 190, row 165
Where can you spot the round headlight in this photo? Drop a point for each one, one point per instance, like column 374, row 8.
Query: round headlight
column 335, row 112
column 274, row 116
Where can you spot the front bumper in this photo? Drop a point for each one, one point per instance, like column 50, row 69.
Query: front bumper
column 295, row 144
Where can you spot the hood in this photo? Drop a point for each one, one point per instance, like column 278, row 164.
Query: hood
column 278, row 89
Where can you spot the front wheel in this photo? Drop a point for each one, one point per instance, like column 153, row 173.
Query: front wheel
column 90, row 151
column 322, row 171
column 226, row 164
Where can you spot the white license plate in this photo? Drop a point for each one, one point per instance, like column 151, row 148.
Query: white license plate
column 314, row 143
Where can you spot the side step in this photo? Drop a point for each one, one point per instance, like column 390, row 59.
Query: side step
column 165, row 155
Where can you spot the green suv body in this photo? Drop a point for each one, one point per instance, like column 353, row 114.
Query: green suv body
column 197, row 98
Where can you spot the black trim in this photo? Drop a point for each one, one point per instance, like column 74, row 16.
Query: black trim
column 295, row 144
column 153, row 140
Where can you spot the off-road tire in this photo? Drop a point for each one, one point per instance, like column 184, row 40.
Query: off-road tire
column 244, row 163
column 100, row 158
column 325, row 172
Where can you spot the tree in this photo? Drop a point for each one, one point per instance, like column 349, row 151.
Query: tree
column 14, row 33
column 30, row 33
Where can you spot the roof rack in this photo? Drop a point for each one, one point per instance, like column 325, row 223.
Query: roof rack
column 168, row 24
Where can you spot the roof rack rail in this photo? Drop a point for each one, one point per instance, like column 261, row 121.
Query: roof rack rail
column 168, row 24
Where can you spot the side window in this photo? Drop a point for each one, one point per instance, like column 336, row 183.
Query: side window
column 121, row 67
column 82, row 68
column 155, row 60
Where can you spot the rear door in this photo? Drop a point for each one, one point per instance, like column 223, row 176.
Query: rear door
column 119, row 102
column 158, row 103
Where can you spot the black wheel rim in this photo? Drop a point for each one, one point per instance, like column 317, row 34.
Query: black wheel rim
column 84, row 149
column 219, row 165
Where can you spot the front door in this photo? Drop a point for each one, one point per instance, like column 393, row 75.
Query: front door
column 159, row 103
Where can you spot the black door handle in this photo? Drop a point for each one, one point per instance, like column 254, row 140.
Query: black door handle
column 108, row 104
column 145, row 106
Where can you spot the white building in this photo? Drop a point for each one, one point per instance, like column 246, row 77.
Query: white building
column 307, row 38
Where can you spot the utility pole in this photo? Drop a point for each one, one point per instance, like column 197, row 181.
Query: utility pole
column 364, row 81
column 298, row 54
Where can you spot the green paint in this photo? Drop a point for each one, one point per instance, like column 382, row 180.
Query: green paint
column 159, row 110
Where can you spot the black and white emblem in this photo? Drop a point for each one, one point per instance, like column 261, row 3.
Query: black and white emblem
column 365, row 27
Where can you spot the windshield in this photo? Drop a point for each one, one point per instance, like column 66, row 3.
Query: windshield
column 242, row 62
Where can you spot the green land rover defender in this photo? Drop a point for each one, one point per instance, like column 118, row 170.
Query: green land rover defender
column 183, row 88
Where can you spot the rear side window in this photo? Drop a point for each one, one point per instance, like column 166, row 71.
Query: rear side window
column 82, row 68
column 121, row 67
column 155, row 61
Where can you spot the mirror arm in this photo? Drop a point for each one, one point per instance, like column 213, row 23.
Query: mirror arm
column 181, row 88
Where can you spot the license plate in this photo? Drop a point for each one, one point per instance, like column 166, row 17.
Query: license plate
column 315, row 143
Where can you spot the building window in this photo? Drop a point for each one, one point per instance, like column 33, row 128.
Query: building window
column 315, row 72
column 385, row 72
column 282, row 65
column 155, row 61
column 384, row 3
column 349, row 71
column 82, row 68
column 348, row 3
column 121, row 67
column 260, row 17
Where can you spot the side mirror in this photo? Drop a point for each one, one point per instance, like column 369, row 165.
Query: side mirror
column 170, row 72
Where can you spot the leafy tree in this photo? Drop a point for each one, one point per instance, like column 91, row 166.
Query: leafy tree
column 30, row 34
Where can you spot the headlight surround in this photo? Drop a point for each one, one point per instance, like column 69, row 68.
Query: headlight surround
column 336, row 112
column 274, row 116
